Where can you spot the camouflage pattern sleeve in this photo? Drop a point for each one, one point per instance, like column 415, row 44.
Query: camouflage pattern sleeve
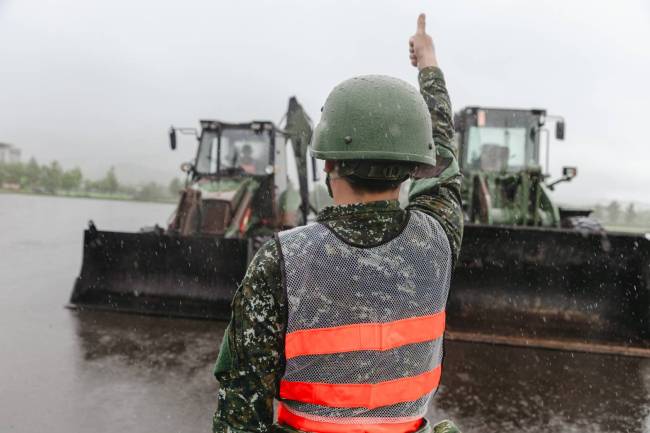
column 250, row 361
column 445, row 426
column 439, row 194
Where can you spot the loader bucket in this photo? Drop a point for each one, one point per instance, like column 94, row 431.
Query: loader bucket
column 552, row 288
column 159, row 274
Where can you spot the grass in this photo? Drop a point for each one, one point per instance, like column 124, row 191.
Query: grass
column 627, row 229
column 89, row 195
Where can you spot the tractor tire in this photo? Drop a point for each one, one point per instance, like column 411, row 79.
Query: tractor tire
column 584, row 224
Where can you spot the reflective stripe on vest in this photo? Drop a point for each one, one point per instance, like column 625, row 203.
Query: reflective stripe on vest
column 365, row 326
column 287, row 417
column 364, row 336
column 366, row 395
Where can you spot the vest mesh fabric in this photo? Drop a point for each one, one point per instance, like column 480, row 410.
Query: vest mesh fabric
column 330, row 283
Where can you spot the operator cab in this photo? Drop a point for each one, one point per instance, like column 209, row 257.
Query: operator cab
column 227, row 150
column 499, row 140
column 499, row 154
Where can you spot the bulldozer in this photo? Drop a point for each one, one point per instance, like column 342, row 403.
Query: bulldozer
column 240, row 189
column 531, row 272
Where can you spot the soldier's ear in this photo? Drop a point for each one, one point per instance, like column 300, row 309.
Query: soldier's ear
column 330, row 166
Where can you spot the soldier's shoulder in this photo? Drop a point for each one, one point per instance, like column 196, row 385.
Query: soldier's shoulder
column 267, row 259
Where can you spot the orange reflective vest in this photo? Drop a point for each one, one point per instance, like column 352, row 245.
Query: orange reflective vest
column 365, row 326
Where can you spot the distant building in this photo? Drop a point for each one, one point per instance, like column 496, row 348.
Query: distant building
column 9, row 153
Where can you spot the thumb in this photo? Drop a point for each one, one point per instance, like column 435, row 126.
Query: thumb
column 422, row 22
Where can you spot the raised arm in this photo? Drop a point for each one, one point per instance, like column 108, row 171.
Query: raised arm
column 438, row 195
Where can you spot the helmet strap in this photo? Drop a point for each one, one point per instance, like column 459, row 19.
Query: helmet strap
column 332, row 174
column 329, row 185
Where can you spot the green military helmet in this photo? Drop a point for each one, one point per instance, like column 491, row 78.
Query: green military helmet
column 375, row 118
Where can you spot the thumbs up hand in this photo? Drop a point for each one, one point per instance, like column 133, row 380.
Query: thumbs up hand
column 421, row 50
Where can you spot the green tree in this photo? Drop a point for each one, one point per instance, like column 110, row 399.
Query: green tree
column 151, row 192
column 109, row 183
column 52, row 177
column 613, row 212
column 643, row 219
column 72, row 179
column 599, row 212
column 13, row 172
column 33, row 173
column 175, row 186
column 630, row 214
column 89, row 185
column 16, row 174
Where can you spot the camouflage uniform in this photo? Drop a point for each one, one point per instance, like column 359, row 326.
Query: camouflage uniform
column 251, row 360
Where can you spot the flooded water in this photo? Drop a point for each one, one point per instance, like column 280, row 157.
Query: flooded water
column 63, row 371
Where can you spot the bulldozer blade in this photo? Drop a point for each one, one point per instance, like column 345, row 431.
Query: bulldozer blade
column 552, row 288
column 155, row 273
column 522, row 286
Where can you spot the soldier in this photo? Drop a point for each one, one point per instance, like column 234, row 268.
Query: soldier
column 246, row 160
column 342, row 320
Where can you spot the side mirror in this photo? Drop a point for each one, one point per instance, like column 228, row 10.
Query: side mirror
column 187, row 167
column 559, row 130
column 172, row 138
column 569, row 172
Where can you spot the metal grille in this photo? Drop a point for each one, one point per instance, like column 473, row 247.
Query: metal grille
column 215, row 216
column 331, row 283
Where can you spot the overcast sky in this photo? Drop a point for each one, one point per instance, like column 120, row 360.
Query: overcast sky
column 97, row 83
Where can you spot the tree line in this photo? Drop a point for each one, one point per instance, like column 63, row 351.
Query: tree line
column 52, row 179
column 617, row 214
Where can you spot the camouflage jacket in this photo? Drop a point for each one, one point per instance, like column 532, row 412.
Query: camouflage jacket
column 251, row 361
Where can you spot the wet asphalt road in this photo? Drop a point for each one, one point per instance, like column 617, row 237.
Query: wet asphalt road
column 64, row 371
